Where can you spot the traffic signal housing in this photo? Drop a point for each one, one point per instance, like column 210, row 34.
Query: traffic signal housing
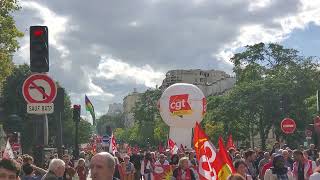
column 39, row 49
column 76, row 113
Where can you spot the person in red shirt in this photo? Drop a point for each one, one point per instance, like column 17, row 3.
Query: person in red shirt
column 81, row 169
column 266, row 166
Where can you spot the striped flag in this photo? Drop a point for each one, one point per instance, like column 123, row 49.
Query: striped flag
column 90, row 108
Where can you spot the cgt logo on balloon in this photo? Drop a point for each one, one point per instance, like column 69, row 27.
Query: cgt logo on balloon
column 179, row 105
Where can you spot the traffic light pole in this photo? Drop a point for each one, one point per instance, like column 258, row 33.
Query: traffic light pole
column 76, row 142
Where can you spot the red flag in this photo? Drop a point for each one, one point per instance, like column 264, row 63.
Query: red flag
column 113, row 145
column 230, row 143
column 206, row 154
column 172, row 146
column 223, row 162
column 160, row 148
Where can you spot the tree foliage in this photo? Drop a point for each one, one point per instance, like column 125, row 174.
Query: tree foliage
column 14, row 103
column 272, row 83
column 8, row 37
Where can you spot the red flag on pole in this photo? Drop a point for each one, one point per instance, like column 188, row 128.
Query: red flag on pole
column 230, row 143
column 172, row 146
column 113, row 145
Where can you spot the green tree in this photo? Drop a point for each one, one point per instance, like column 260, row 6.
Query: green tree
column 115, row 121
column 8, row 37
column 272, row 83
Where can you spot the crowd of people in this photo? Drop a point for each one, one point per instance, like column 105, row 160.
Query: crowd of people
column 281, row 163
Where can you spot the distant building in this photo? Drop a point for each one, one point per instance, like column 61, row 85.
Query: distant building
column 211, row 82
column 115, row 109
column 128, row 104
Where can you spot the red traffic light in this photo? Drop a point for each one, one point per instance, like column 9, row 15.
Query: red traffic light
column 38, row 32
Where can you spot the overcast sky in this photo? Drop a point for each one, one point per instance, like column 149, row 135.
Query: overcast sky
column 106, row 48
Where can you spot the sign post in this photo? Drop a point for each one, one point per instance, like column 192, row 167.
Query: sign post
column 288, row 126
column 39, row 90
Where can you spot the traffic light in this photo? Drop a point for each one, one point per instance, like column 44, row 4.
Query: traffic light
column 39, row 49
column 76, row 113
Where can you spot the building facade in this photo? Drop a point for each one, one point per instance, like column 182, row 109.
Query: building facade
column 211, row 82
column 115, row 109
column 128, row 104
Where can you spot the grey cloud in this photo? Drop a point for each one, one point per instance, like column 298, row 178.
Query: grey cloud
column 169, row 35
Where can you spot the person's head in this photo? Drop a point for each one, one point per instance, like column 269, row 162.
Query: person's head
column 184, row 163
column 126, row 158
column 81, row 162
column 27, row 159
column 240, row 166
column 236, row 177
column 276, row 145
column 117, row 154
column 312, row 146
column 57, row 166
column 8, row 170
column 66, row 158
column 175, row 159
column 191, row 155
column 102, row 166
column 297, row 155
column 237, row 155
column 27, row 169
column 278, row 161
column 148, row 156
column 266, row 155
column 162, row 158
column 285, row 154
column 250, row 155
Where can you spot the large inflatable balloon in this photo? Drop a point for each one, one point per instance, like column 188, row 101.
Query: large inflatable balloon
column 181, row 106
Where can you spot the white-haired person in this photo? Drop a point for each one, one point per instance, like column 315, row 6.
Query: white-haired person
column 55, row 170
column 81, row 169
column 102, row 166
column 183, row 171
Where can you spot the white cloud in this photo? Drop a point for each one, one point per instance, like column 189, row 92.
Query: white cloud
column 255, row 33
column 112, row 69
column 58, row 26
column 256, row 5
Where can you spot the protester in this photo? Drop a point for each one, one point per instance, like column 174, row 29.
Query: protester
column 183, row 172
column 278, row 171
column 8, row 169
column 265, row 160
column 128, row 168
column 81, row 169
column 147, row 167
column 266, row 167
column 102, row 166
column 316, row 174
column 241, row 168
column 250, row 157
column 288, row 160
column 312, row 152
column 162, row 160
column 29, row 173
column 118, row 171
column 69, row 170
column 136, row 160
column 56, row 170
column 302, row 168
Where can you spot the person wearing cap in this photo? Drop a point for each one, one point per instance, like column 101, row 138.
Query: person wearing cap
column 161, row 161
column 128, row 168
column 183, row 171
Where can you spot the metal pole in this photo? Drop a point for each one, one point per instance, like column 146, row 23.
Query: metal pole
column 45, row 130
column 76, row 148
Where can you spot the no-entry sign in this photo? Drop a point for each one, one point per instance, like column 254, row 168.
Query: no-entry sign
column 288, row 126
column 39, row 88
